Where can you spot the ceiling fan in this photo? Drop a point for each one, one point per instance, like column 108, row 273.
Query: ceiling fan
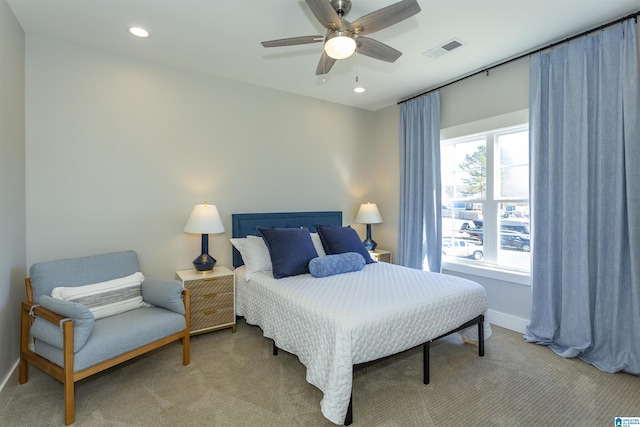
column 344, row 37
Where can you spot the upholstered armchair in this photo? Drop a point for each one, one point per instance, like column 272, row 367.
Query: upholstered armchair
column 84, row 315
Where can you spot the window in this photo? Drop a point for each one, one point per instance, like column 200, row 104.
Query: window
column 485, row 199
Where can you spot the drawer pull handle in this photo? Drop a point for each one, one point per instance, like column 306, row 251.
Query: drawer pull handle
column 210, row 311
column 211, row 279
column 211, row 295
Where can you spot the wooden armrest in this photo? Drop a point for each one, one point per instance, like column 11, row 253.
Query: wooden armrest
column 186, row 299
column 50, row 316
column 45, row 313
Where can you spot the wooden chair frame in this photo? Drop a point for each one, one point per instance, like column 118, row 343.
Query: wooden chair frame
column 65, row 373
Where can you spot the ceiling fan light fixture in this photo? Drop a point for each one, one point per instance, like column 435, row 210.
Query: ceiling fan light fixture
column 358, row 88
column 138, row 31
column 340, row 44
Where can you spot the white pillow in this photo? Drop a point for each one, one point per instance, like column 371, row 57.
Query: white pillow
column 315, row 238
column 106, row 298
column 255, row 254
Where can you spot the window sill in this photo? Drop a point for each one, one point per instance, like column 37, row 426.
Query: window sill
column 488, row 271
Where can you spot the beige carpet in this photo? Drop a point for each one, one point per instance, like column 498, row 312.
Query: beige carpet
column 234, row 380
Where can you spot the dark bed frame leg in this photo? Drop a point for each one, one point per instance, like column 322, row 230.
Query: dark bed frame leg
column 426, row 348
column 275, row 349
column 481, row 336
column 348, row 420
column 425, row 363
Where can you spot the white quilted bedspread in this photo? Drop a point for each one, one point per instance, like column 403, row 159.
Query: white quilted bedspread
column 334, row 322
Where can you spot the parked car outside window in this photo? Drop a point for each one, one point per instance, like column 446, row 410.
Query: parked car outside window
column 513, row 234
column 461, row 247
column 515, row 241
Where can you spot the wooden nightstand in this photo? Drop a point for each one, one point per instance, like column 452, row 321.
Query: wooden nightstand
column 380, row 255
column 212, row 299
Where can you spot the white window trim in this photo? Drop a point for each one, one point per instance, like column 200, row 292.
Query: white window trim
column 489, row 271
column 520, row 117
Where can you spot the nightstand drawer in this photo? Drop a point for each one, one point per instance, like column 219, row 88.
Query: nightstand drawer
column 210, row 286
column 211, row 301
column 204, row 319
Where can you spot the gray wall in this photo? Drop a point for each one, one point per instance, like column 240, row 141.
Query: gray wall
column 12, row 195
column 119, row 151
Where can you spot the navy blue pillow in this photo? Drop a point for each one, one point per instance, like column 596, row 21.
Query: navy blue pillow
column 290, row 250
column 339, row 240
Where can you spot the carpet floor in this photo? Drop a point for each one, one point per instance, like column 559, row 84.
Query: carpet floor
column 234, row 380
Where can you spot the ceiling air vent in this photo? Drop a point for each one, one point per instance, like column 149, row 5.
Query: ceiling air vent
column 446, row 47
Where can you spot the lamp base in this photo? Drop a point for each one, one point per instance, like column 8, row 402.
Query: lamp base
column 204, row 263
column 370, row 244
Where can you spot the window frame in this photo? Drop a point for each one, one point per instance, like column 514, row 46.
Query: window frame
column 512, row 122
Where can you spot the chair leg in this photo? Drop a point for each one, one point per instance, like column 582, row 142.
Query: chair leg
column 186, row 349
column 69, row 402
column 24, row 371
column 69, row 392
column 24, row 345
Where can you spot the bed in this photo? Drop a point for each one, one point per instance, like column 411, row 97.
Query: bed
column 339, row 323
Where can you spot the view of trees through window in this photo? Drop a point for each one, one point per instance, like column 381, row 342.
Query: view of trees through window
column 485, row 198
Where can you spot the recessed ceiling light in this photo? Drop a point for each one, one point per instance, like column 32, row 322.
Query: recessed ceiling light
column 139, row 31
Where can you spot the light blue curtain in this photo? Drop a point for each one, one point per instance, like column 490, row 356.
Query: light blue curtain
column 585, row 192
column 420, row 233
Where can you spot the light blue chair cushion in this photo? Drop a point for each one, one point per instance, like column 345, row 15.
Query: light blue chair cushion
column 119, row 334
column 83, row 322
column 336, row 264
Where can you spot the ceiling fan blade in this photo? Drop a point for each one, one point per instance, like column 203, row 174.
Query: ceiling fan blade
column 325, row 13
column 375, row 49
column 293, row 41
column 325, row 64
column 385, row 17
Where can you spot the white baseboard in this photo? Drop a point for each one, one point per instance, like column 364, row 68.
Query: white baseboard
column 9, row 385
column 517, row 324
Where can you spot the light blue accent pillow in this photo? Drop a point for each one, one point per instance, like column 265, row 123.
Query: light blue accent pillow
column 290, row 250
column 336, row 264
column 83, row 322
column 164, row 293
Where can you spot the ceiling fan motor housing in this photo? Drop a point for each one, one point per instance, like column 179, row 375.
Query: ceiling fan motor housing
column 342, row 7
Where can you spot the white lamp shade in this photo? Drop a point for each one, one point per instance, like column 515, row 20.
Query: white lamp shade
column 368, row 214
column 340, row 46
column 204, row 219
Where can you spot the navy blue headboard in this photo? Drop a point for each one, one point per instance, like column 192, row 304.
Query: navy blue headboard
column 244, row 225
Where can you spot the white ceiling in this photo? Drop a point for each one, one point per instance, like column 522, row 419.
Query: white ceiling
column 223, row 38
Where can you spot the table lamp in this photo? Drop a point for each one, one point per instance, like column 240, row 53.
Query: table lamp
column 369, row 214
column 204, row 220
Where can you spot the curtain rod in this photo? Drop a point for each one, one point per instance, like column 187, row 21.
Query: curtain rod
column 486, row 69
